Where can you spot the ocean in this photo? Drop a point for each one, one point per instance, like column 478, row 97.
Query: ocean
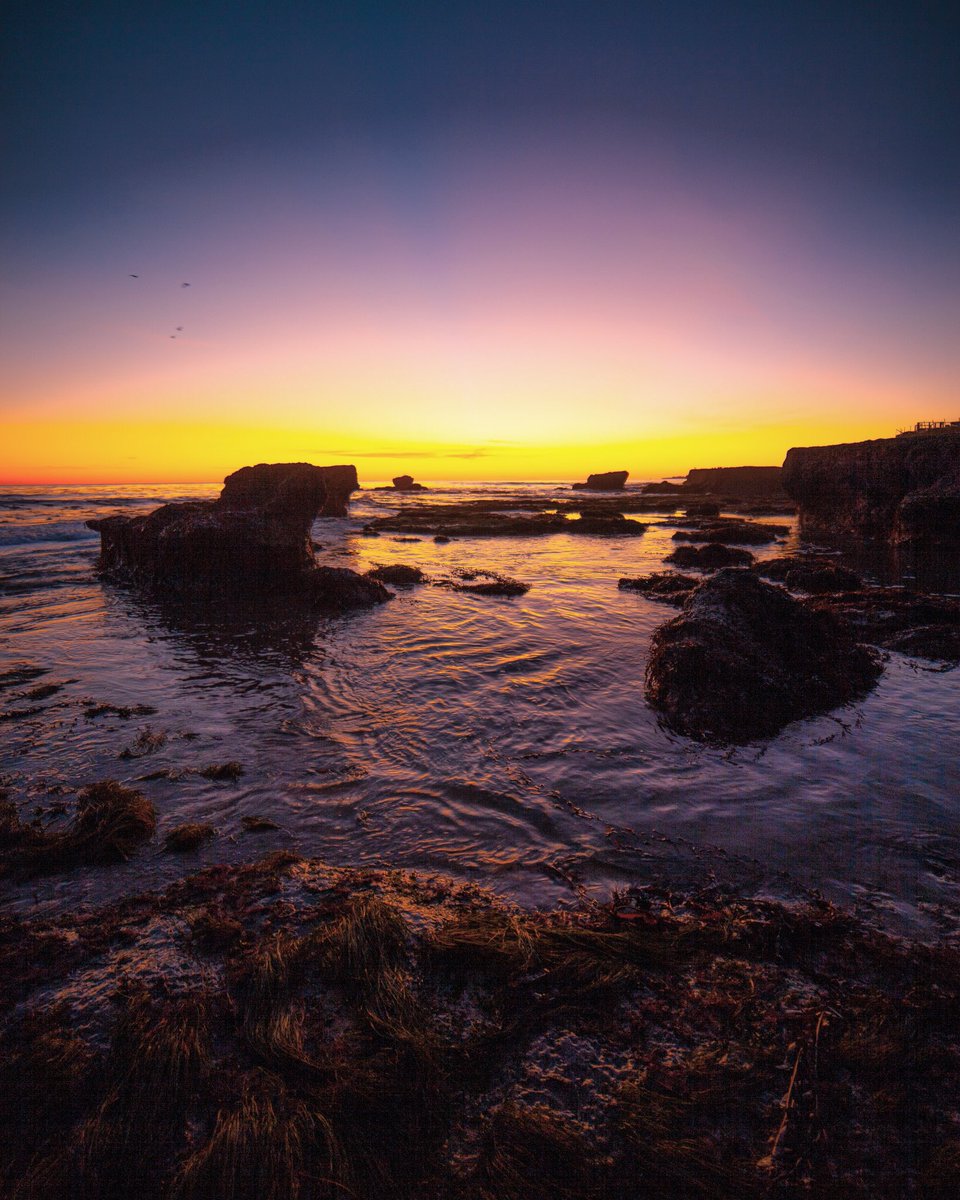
column 504, row 742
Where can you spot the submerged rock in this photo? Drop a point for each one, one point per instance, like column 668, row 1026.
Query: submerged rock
column 188, row 837
column 604, row 481
column 488, row 583
column 254, row 540
column 709, row 558
column 668, row 586
column 744, row 658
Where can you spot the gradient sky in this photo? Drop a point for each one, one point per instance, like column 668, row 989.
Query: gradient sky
column 472, row 240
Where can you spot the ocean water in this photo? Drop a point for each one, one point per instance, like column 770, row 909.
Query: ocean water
column 503, row 741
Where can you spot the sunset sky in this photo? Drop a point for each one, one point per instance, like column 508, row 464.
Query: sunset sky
column 472, row 240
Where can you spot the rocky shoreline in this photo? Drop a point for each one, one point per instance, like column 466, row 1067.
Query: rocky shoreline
column 288, row 1029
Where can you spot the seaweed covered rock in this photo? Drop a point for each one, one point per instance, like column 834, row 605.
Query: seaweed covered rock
column 912, row 623
column 709, row 558
column 670, row 587
column 604, row 481
column 733, row 532
column 254, row 540
column 807, row 573
column 109, row 823
column 744, row 658
column 612, row 525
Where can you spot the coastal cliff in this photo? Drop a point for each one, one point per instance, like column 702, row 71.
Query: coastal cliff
column 904, row 489
column 743, row 483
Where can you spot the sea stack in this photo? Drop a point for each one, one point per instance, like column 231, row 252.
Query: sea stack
column 254, row 540
column 604, row 481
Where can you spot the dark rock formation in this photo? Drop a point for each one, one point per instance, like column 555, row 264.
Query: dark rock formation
column 397, row 573
column 254, row 540
column 488, row 583
column 741, row 483
column 405, row 483
column 910, row 622
column 453, row 520
column 605, row 481
column 704, row 509
column 669, row 587
column 744, row 658
column 664, row 487
column 614, row 525
column 736, row 533
column 807, row 573
column 709, row 558
column 905, row 489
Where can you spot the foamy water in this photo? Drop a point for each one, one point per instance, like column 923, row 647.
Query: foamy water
column 504, row 741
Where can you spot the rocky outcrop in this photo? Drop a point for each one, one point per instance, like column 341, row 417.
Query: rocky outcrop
column 405, row 483
column 912, row 623
column 669, row 587
column 740, row 483
column 604, row 481
column 744, row 658
column 734, row 532
column 664, row 487
column 905, row 490
column 809, row 573
column 709, row 558
column 398, row 574
column 254, row 540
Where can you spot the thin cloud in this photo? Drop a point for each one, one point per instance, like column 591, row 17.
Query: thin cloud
column 399, row 452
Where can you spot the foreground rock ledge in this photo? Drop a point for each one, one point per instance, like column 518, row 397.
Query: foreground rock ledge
column 254, row 540
column 287, row 1029
column 744, row 658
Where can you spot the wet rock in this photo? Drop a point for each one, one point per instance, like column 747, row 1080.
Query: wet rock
column 670, row 587
column 228, row 772
column 253, row 541
column 803, row 573
column 733, row 532
column 905, row 490
column 19, row 674
column 614, row 525
column 123, row 711
column 709, row 558
column 604, row 481
column 398, row 574
column 255, row 824
column 468, row 521
column 109, row 824
column 744, row 658
column 705, row 509
column 188, row 837
column 913, row 623
column 339, row 588
column 493, row 585
column 441, row 539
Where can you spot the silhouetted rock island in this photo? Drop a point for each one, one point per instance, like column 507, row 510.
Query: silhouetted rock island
column 744, row 658
column 405, row 483
column 905, row 489
column 254, row 540
column 604, row 481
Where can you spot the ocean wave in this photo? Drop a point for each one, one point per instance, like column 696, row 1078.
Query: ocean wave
column 54, row 531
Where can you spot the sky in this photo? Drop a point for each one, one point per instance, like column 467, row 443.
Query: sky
column 472, row 240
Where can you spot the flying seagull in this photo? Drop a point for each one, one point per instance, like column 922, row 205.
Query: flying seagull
column 134, row 276
column 184, row 284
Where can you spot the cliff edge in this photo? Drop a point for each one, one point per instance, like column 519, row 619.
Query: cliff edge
column 904, row 489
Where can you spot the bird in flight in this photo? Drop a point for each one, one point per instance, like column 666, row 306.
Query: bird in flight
column 134, row 276
column 179, row 329
column 184, row 284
